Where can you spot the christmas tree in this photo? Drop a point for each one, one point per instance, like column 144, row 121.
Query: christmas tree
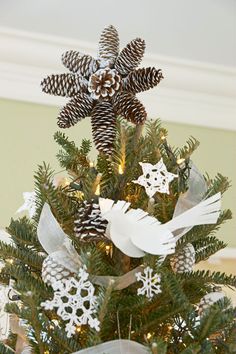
column 105, row 263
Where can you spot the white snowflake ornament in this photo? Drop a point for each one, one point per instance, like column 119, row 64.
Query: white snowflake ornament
column 29, row 203
column 75, row 302
column 150, row 283
column 155, row 178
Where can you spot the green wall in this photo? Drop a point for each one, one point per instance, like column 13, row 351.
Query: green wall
column 27, row 140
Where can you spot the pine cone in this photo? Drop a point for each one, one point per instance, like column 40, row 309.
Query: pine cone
column 142, row 80
column 79, row 107
column 210, row 299
column 109, row 44
column 81, row 64
column 52, row 270
column 104, row 83
column 130, row 57
column 103, row 127
column 129, row 107
column 89, row 225
column 67, row 85
column 184, row 260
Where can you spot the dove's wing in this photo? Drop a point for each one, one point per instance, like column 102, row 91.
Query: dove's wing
column 119, row 233
column 108, row 206
column 206, row 212
column 134, row 232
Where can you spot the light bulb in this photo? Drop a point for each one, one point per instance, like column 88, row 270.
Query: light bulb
column 97, row 192
column 78, row 329
column 10, row 260
column 107, row 248
column 120, row 170
column 180, row 161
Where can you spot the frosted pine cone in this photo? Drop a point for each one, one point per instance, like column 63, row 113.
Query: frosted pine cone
column 104, row 83
column 209, row 299
column 129, row 107
column 52, row 271
column 103, row 127
column 96, row 84
column 67, row 85
column 142, row 80
column 130, row 57
column 108, row 45
column 83, row 65
column 184, row 260
column 78, row 108
column 89, row 225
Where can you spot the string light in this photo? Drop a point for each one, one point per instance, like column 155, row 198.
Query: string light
column 108, row 250
column 96, row 186
column 120, row 170
column 78, row 329
column 163, row 138
column 91, row 164
column 98, row 189
column 180, row 161
column 149, row 336
column 10, row 260
column 46, row 352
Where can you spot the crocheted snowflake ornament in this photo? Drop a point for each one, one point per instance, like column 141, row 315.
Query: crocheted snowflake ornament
column 155, row 178
column 150, row 283
column 75, row 302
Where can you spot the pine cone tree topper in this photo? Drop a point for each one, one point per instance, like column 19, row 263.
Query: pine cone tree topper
column 110, row 81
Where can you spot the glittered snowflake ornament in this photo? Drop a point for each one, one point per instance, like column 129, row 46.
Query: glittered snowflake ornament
column 75, row 302
column 151, row 283
column 103, row 87
column 155, row 178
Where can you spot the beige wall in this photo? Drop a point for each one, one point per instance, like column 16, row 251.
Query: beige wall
column 27, row 140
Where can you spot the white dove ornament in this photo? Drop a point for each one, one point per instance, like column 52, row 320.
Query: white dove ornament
column 135, row 232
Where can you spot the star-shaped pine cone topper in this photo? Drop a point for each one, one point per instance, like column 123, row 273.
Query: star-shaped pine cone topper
column 103, row 88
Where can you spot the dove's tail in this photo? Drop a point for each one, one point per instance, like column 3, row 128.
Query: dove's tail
column 206, row 212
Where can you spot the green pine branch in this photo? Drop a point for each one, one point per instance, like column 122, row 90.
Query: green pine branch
column 206, row 247
column 206, row 276
column 24, row 234
column 188, row 149
column 71, row 157
column 4, row 349
column 23, row 255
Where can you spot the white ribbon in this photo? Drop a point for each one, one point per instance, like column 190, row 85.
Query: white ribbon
column 119, row 346
column 196, row 192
